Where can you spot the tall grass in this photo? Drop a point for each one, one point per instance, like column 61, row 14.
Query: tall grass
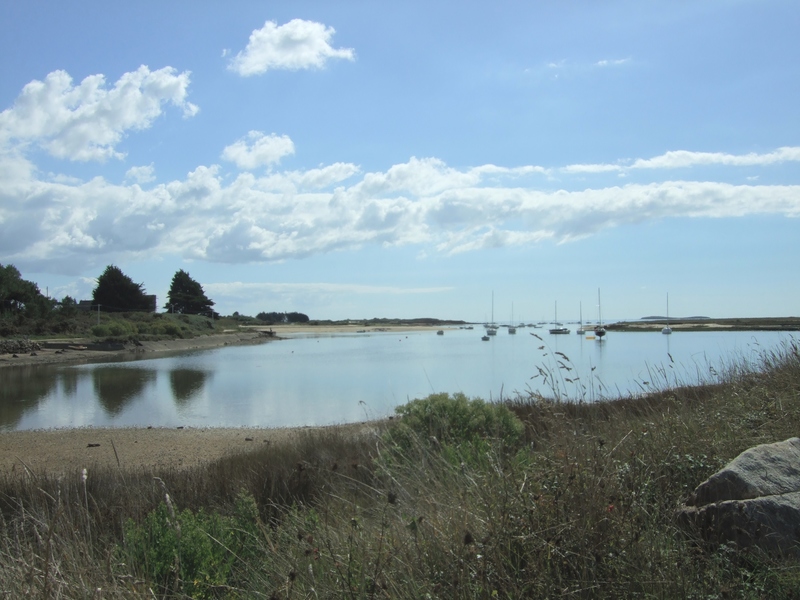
column 533, row 497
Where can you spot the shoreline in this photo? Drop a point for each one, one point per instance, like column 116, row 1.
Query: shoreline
column 65, row 351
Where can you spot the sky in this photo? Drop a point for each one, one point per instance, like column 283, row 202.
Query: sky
column 455, row 160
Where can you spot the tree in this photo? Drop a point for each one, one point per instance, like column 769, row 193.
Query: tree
column 186, row 296
column 116, row 291
column 20, row 296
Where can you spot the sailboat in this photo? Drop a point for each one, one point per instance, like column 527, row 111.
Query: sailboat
column 599, row 331
column 491, row 329
column 667, row 329
column 581, row 330
column 559, row 329
column 511, row 329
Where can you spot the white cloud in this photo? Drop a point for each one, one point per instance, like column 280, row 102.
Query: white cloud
column 87, row 121
column 237, row 289
column 258, row 150
column 296, row 45
column 612, row 63
column 143, row 174
column 685, row 159
column 423, row 202
column 313, row 179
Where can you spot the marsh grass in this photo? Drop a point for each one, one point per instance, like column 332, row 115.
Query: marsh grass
column 453, row 500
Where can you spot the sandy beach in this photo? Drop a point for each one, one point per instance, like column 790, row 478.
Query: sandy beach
column 65, row 451
column 71, row 450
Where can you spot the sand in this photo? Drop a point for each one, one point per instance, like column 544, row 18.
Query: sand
column 64, row 451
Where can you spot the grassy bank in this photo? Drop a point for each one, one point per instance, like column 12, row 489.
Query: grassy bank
column 456, row 499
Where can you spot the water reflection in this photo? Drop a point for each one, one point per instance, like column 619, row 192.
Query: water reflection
column 356, row 377
column 115, row 387
column 22, row 389
column 186, row 383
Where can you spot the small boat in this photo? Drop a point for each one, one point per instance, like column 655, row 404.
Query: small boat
column 599, row 330
column 491, row 329
column 485, row 338
column 667, row 329
column 440, row 332
column 511, row 329
column 559, row 329
column 581, row 330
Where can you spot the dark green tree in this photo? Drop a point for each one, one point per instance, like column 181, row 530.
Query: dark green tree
column 116, row 291
column 20, row 296
column 186, row 296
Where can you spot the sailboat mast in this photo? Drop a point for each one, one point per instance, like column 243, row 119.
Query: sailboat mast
column 599, row 308
column 599, row 331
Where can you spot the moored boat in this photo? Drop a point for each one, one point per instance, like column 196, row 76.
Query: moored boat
column 559, row 329
column 599, row 330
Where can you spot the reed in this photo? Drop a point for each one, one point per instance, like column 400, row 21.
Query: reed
column 578, row 500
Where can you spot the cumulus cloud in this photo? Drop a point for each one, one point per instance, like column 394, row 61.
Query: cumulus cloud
column 86, row 121
column 143, row 174
column 281, row 216
column 296, row 45
column 257, row 150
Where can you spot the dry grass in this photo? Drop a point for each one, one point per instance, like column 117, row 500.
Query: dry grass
column 583, row 506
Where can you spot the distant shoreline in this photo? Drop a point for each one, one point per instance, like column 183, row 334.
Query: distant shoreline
column 710, row 324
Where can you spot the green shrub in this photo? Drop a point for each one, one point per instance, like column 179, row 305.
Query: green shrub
column 192, row 553
column 119, row 329
column 454, row 420
column 101, row 331
column 172, row 329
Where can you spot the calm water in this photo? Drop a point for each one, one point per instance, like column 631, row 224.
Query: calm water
column 345, row 378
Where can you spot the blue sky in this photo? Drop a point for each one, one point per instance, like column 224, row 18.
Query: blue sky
column 360, row 159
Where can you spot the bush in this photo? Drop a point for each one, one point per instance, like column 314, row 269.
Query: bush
column 192, row 553
column 101, row 331
column 172, row 329
column 119, row 329
column 454, row 420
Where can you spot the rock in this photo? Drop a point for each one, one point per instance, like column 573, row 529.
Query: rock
column 753, row 502
column 18, row 346
column 764, row 470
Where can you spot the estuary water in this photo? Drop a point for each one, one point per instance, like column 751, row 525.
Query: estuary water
column 354, row 377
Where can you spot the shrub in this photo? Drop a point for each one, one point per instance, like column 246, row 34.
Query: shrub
column 172, row 329
column 454, row 420
column 192, row 553
column 119, row 328
column 101, row 331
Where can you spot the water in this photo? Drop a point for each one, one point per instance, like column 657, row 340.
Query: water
column 348, row 378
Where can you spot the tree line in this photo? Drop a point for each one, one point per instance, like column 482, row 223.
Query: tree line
column 116, row 292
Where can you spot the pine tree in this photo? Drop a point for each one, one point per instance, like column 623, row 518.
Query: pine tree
column 186, row 296
column 116, row 291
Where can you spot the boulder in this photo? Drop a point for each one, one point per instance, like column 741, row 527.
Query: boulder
column 753, row 501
